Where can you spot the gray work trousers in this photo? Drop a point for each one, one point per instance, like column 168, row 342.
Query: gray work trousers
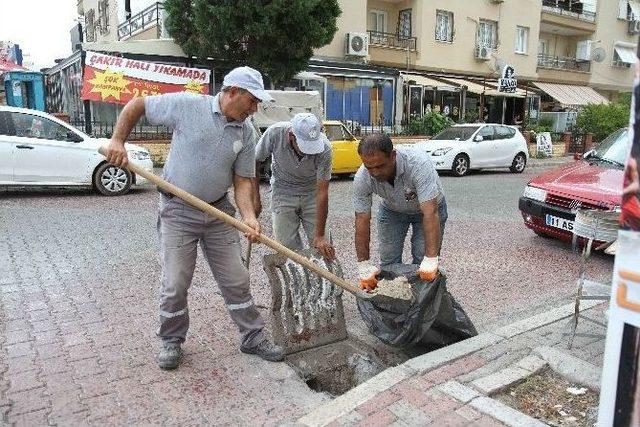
column 180, row 229
column 288, row 212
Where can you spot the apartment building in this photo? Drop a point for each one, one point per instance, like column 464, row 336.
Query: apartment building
column 394, row 59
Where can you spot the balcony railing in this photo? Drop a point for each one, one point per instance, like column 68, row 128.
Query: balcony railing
column 152, row 16
column 563, row 63
column 571, row 8
column 390, row 40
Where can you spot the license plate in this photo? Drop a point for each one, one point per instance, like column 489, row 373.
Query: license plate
column 561, row 223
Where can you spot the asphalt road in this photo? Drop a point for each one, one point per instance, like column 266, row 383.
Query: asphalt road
column 78, row 299
column 498, row 269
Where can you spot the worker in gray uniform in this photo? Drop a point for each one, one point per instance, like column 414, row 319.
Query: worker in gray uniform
column 300, row 172
column 212, row 148
column 412, row 196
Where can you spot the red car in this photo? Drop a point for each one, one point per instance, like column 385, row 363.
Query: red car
column 550, row 200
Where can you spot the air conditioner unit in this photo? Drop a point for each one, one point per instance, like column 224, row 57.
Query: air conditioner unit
column 357, row 44
column 483, row 53
column 634, row 27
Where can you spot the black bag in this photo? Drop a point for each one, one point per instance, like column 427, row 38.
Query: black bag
column 432, row 320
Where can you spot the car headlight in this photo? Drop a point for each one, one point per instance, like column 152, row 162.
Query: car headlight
column 139, row 155
column 535, row 193
column 441, row 151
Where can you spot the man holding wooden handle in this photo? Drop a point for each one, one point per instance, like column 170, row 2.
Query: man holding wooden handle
column 212, row 148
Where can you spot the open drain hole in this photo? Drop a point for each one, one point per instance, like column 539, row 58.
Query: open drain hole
column 336, row 368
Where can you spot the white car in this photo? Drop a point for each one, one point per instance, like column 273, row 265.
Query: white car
column 37, row 149
column 461, row 148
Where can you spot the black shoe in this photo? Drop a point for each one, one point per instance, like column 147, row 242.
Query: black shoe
column 169, row 356
column 266, row 350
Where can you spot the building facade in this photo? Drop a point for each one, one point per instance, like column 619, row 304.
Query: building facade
column 392, row 60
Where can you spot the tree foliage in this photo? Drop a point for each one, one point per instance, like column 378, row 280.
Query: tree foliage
column 429, row 124
column 601, row 119
column 277, row 37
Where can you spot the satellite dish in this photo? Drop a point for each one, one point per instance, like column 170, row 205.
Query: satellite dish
column 598, row 54
column 499, row 64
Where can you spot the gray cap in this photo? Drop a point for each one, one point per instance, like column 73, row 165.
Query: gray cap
column 308, row 132
column 249, row 79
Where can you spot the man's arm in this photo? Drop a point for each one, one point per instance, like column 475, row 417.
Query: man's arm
column 363, row 235
column 243, row 190
column 322, row 211
column 114, row 151
column 255, row 183
column 431, row 227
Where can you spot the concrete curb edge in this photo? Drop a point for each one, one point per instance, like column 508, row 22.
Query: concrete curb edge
column 347, row 402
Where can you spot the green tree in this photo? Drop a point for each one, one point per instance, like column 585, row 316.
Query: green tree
column 277, row 37
column 603, row 119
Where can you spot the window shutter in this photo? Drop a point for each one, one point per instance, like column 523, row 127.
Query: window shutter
column 622, row 9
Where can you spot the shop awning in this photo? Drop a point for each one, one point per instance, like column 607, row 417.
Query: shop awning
column 6, row 66
column 635, row 8
column 626, row 52
column 426, row 81
column 571, row 95
column 307, row 75
column 487, row 89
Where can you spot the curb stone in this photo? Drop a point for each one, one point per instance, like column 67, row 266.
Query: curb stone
column 570, row 367
column 346, row 403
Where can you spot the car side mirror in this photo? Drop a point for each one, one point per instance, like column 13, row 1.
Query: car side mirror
column 73, row 137
column 478, row 138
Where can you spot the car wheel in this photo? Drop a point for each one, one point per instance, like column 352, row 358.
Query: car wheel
column 460, row 165
column 519, row 163
column 111, row 180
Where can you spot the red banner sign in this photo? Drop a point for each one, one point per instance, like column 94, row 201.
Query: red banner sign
column 117, row 80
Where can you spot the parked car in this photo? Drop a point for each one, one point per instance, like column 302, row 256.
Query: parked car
column 461, row 148
column 37, row 149
column 551, row 199
column 344, row 147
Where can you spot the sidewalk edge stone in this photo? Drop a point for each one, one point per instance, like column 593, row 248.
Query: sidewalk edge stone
column 571, row 367
column 542, row 319
column 506, row 414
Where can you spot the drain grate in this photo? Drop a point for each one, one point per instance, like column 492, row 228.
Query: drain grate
column 307, row 310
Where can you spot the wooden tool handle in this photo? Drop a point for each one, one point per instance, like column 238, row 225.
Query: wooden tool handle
column 273, row 244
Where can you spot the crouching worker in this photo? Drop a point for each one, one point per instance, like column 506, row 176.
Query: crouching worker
column 412, row 197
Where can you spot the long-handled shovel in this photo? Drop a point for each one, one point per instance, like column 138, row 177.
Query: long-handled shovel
column 271, row 243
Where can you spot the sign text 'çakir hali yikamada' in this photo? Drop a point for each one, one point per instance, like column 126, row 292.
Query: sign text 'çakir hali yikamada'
column 117, row 80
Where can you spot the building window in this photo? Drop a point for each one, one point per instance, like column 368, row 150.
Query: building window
column 487, row 33
column 103, row 16
column 522, row 39
column 378, row 21
column 444, row 26
column 404, row 23
column 90, row 25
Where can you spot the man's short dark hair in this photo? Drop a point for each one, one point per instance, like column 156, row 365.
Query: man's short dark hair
column 375, row 142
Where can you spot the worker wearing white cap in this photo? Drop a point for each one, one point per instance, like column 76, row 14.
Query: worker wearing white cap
column 212, row 149
column 300, row 172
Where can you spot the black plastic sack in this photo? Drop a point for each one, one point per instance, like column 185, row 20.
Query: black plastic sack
column 432, row 320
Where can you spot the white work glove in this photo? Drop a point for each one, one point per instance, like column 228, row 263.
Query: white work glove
column 428, row 268
column 367, row 274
